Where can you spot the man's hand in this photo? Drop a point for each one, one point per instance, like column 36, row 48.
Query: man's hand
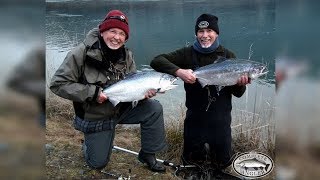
column 150, row 93
column 186, row 75
column 244, row 80
column 101, row 97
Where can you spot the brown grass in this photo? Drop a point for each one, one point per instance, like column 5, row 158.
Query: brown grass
column 21, row 138
column 66, row 160
column 18, row 105
column 174, row 136
column 302, row 160
column 58, row 107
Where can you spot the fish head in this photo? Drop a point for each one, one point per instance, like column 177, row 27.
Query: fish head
column 167, row 82
column 257, row 70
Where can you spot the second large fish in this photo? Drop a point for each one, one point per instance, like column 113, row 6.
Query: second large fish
column 227, row 72
column 134, row 87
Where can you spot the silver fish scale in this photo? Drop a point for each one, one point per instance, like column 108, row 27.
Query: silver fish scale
column 226, row 73
column 134, row 87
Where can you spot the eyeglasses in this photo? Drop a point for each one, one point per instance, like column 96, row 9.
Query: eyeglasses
column 114, row 33
column 121, row 18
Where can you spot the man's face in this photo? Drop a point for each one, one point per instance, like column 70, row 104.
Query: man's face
column 206, row 37
column 114, row 38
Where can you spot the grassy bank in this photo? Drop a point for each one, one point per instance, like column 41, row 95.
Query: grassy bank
column 65, row 159
column 21, row 138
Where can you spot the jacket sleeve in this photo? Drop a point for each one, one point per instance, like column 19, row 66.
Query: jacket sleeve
column 66, row 80
column 237, row 90
column 168, row 63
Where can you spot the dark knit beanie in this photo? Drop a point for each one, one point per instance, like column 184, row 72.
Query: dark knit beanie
column 207, row 21
column 115, row 19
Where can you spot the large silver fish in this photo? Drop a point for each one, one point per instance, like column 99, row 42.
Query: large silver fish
column 227, row 72
column 134, row 87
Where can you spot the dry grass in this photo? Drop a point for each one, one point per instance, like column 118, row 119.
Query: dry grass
column 21, row 142
column 58, row 107
column 66, row 160
column 12, row 103
column 302, row 161
column 174, row 135
column 21, row 150
column 253, row 132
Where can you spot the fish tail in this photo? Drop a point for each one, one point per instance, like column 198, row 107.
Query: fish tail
column 266, row 168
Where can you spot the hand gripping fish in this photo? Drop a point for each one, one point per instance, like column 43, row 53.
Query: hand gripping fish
column 227, row 72
column 134, row 87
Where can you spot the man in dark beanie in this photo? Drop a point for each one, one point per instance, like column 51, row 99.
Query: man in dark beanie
column 100, row 61
column 207, row 131
column 207, row 21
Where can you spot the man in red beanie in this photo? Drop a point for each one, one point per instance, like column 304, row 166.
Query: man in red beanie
column 208, row 117
column 100, row 61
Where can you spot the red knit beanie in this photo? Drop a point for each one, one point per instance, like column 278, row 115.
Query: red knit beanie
column 115, row 19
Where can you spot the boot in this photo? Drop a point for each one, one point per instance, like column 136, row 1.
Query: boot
column 150, row 160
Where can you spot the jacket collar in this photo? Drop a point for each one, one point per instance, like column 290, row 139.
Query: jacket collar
column 220, row 49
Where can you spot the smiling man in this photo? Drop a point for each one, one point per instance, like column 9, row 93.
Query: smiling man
column 208, row 115
column 100, row 61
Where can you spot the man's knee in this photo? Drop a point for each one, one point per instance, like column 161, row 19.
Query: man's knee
column 97, row 149
column 155, row 106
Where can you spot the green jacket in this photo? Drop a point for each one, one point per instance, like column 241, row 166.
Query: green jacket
column 196, row 96
column 84, row 73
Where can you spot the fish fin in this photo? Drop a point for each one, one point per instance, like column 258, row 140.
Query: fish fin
column 129, row 74
column 219, row 88
column 134, row 103
column 114, row 102
column 172, row 86
column 202, row 81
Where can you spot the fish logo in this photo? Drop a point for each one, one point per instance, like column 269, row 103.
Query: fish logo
column 203, row 24
column 252, row 165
